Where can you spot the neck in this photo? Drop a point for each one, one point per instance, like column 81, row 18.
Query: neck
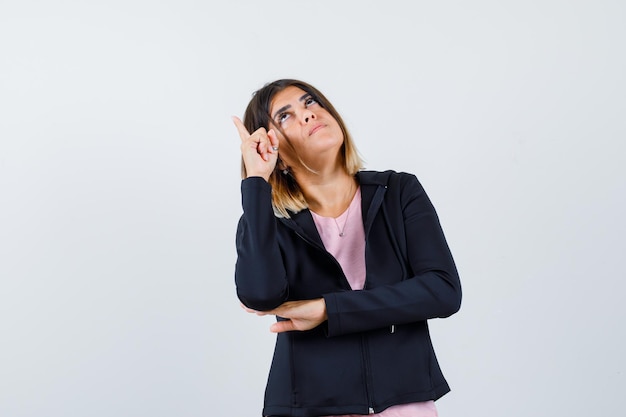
column 328, row 193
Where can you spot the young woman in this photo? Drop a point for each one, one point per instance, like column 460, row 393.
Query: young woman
column 352, row 263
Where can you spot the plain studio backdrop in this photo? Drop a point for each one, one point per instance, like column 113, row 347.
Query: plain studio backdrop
column 119, row 192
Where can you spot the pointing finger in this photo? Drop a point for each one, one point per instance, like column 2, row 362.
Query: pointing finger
column 243, row 132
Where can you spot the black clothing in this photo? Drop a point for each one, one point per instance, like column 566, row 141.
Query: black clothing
column 375, row 350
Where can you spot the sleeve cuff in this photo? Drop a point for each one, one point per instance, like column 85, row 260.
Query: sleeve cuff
column 333, row 322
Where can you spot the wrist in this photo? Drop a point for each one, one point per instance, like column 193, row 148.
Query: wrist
column 322, row 304
column 257, row 175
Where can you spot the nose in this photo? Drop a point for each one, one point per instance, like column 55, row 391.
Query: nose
column 308, row 115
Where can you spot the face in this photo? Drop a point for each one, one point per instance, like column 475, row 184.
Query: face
column 315, row 135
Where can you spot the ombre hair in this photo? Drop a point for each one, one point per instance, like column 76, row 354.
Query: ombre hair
column 286, row 193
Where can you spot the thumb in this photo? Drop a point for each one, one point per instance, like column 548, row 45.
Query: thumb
column 282, row 326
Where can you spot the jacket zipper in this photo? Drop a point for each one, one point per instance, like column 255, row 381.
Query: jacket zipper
column 364, row 350
column 368, row 384
column 368, row 388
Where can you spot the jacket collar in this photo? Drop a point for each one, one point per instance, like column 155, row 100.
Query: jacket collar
column 373, row 185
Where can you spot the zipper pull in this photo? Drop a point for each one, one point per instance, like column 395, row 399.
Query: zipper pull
column 393, row 328
column 371, row 411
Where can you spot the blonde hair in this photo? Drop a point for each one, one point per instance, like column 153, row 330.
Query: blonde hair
column 286, row 193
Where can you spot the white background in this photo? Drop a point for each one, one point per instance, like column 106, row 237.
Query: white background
column 119, row 192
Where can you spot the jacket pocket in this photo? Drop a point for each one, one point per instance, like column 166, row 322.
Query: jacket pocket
column 327, row 371
column 400, row 362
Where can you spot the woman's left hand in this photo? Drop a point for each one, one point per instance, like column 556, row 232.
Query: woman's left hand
column 300, row 315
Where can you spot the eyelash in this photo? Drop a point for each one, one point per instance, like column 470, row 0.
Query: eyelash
column 280, row 119
column 309, row 101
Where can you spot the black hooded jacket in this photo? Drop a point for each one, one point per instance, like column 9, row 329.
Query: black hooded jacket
column 374, row 351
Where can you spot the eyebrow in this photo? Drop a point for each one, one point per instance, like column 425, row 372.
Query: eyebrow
column 282, row 109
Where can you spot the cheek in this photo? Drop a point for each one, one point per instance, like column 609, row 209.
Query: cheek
column 286, row 155
column 287, row 146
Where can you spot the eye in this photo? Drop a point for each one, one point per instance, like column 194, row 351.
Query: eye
column 282, row 117
column 310, row 101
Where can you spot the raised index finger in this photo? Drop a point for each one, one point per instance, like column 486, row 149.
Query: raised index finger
column 243, row 132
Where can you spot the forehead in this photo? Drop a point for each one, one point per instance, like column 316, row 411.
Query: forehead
column 290, row 95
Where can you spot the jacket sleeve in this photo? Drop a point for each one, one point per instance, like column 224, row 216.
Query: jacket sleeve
column 259, row 273
column 433, row 291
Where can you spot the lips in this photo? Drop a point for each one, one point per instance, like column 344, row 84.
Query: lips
column 316, row 128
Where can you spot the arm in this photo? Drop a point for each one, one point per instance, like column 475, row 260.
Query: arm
column 259, row 273
column 433, row 291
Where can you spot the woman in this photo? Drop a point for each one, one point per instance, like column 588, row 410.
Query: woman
column 351, row 262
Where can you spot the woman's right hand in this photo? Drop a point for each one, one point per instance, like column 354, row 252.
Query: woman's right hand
column 259, row 150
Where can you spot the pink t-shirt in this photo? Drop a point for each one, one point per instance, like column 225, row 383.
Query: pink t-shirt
column 344, row 238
